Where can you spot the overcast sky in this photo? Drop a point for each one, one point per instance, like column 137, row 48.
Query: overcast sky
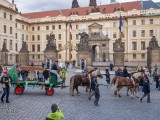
column 26, row 6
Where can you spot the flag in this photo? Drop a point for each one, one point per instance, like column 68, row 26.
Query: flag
column 120, row 24
column 13, row 73
column 70, row 25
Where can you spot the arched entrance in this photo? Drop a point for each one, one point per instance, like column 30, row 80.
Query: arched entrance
column 96, row 53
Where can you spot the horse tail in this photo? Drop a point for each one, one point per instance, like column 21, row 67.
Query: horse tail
column 71, row 85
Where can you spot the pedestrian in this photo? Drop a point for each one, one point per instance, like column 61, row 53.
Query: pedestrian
column 146, row 90
column 5, row 80
column 63, row 74
column 150, row 70
column 125, row 72
column 43, row 64
column 155, row 68
column 111, row 66
column 107, row 77
column 1, row 70
column 93, row 86
column 97, row 95
column 56, row 113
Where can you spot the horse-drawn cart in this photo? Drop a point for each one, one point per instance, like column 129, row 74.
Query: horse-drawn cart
column 20, row 85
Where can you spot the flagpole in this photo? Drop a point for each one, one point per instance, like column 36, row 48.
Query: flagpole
column 70, row 47
column 120, row 33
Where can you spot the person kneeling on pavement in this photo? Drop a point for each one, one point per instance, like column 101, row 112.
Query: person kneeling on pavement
column 56, row 113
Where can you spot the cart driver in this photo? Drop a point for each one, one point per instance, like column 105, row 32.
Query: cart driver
column 54, row 70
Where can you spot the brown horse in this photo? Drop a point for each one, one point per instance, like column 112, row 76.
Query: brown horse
column 131, row 84
column 79, row 80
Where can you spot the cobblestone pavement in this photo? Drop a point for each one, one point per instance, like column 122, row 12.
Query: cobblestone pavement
column 35, row 105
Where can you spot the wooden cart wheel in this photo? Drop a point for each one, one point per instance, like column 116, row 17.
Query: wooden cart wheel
column 18, row 90
column 49, row 91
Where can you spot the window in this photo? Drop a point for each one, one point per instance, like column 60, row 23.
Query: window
column 16, row 35
column 59, row 56
column 134, row 33
column 26, row 37
column 38, row 56
column 134, row 56
column 38, row 48
column 10, row 17
column 16, row 25
column 27, row 28
column 59, row 46
column 10, row 45
column 23, row 27
column 143, row 56
column 47, row 27
column 114, row 35
column 122, row 34
column 134, row 22
column 77, row 36
column 32, row 28
column 38, row 27
column 32, row 37
column 76, row 26
column 143, row 45
column 16, row 47
column 53, row 27
column 33, row 48
column 59, row 36
column 142, row 22
column 142, row 33
column 103, row 45
column 38, row 37
column 151, row 33
column 151, row 21
column 32, row 56
column 22, row 36
column 10, row 57
column 134, row 45
column 5, row 30
column 10, row 30
column 4, row 15
column 59, row 26
column 114, row 24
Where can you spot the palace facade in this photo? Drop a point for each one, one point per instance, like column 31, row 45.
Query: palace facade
column 141, row 21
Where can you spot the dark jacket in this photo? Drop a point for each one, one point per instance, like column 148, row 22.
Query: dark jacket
column 46, row 74
column 54, row 67
column 93, row 84
column 97, row 93
column 146, row 87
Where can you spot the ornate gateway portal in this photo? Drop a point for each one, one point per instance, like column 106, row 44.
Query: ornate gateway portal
column 93, row 47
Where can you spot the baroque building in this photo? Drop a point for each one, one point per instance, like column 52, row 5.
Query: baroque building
column 141, row 21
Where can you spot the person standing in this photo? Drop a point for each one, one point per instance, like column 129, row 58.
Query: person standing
column 1, row 70
column 125, row 72
column 56, row 113
column 97, row 95
column 111, row 66
column 93, row 87
column 43, row 64
column 5, row 80
column 155, row 68
column 107, row 77
column 146, row 90
column 63, row 74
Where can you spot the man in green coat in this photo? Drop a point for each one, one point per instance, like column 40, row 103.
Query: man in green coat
column 56, row 113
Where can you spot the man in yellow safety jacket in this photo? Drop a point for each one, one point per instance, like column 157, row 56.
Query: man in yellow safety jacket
column 63, row 74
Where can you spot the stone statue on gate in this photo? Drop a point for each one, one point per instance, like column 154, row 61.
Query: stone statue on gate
column 4, row 48
column 24, row 48
column 118, row 46
column 153, row 44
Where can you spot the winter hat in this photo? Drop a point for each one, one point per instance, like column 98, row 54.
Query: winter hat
column 54, row 107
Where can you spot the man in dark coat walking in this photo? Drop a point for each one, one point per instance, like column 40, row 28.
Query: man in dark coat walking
column 146, row 90
column 125, row 72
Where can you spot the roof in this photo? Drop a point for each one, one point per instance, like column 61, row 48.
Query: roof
column 109, row 8
column 150, row 4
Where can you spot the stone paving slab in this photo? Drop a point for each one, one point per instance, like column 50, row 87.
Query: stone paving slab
column 35, row 105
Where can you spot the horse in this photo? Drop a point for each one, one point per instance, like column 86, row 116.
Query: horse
column 78, row 80
column 131, row 84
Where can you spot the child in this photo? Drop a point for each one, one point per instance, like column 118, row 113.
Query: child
column 56, row 113
column 97, row 95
